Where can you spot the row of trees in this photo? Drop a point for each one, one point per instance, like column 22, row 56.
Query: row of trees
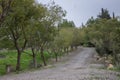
column 28, row 24
column 104, row 33
column 38, row 27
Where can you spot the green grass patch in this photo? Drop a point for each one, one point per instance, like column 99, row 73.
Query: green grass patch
column 116, row 69
column 26, row 58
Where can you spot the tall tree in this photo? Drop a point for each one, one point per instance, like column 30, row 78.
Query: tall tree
column 16, row 24
column 34, row 30
column 47, row 29
column 104, row 14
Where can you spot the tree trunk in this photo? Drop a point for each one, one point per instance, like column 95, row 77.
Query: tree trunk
column 34, row 58
column 43, row 57
column 72, row 48
column 18, row 60
column 60, row 51
column 18, row 54
column 17, row 46
column 67, row 50
column 56, row 56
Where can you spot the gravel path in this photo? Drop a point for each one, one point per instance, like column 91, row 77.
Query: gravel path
column 79, row 66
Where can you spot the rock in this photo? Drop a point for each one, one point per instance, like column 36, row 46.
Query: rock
column 110, row 66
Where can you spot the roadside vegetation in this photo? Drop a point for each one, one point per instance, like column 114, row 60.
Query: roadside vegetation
column 104, row 33
column 32, row 33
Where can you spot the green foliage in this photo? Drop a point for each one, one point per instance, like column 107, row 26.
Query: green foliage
column 31, row 24
column 5, row 6
column 26, row 59
column 104, row 14
column 103, row 32
column 66, row 23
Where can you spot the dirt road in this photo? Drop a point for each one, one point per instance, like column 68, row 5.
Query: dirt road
column 78, row 66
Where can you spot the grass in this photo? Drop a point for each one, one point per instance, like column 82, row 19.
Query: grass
column 116, row 69
column 26, row 58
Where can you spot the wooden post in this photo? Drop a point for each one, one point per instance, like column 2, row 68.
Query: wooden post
column 8, row 68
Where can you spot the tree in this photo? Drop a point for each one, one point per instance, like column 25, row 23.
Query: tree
column 103, row 32
column 104, row 14
column 16, row 24
column 34, row 30
column 47, row 30
column 76, row 38
column 66, row 23
column 115, row 42
column 90, row 21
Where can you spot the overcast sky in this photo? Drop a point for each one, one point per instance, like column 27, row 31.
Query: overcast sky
column 80, row 10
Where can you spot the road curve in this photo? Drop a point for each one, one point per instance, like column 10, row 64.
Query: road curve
column 79, row 66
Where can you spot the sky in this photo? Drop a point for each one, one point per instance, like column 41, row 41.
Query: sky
column 80, row 11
